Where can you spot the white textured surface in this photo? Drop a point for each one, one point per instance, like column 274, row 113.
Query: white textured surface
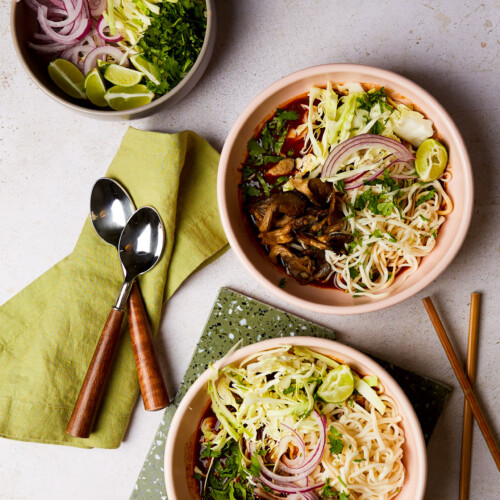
column 50, row 157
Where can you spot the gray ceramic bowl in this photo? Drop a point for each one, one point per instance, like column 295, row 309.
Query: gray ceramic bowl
column 23, row 25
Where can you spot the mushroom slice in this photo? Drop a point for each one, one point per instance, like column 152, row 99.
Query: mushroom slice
column 283, row 167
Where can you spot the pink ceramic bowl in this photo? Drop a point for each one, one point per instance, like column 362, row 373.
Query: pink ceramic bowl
column 180, row 447
column 451, row 234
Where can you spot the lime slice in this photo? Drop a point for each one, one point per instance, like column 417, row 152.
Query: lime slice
column 337, row 386
column 146, row 67
column 95, row 88
column 67, row 77
column 122, row 98
column 124, row 77
column 431, row 160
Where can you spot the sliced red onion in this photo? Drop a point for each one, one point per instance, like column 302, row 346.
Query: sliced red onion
column 357, row 176
column 51, row 48
column 102, row 24
column 300, row 443
column 359, row 142
column 74, row 54
column 97, row 7
column 80, row 30
column 314, row 458
column 100, row 52
column 288, row 488
column 373, row 175
column 72, row 12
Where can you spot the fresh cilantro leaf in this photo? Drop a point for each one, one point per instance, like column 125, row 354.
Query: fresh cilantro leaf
column 251, row 190
column 434, row 234
column 425, row 197
column 289, row 390
column 340, row 186
column 254, row 468
column 392, row 238
column 328, row 491
column 377, row 128
column 263, row 183
column 282, row 283
column 378, row 233
column 254, row 147
column 358, row 460
column 341, row 482
column 425, row 219
column 335, row 441
column 385, row 208
column 353, row 273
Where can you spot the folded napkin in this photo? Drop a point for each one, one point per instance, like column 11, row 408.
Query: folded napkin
column 48, row 331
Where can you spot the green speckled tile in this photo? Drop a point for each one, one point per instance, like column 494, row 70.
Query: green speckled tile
column 236, row 317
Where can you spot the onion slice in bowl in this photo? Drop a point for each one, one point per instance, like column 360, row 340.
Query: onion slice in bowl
column 108, row 50
column 102, row 24
column 363, row 141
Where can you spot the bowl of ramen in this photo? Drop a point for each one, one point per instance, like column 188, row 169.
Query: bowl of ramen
column 296, row 418
column 114, row 60
column 345, row 189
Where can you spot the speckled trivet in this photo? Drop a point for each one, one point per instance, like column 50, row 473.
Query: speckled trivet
column 236, row 317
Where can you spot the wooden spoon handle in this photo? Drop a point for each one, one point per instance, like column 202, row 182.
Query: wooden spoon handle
column 154, row 392
column 85, row 410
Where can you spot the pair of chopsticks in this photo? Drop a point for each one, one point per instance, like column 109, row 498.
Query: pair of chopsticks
column 471, row 405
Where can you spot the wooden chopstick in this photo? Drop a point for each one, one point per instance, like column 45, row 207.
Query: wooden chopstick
column 467, row 419
column 463, row 380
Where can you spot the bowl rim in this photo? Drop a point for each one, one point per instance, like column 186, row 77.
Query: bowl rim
column 111, row 113
column 333, row 346
column 376, row 304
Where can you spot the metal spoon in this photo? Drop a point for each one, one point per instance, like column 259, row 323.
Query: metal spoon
column 110, row 209
column 140, row 247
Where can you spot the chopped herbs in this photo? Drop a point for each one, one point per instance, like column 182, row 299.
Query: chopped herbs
column 358, row 460
column 282, row 283
column 335, row 441
column 425, row 197
column 353, row 273
column 223, row 480
column 254, row 468
column 173, row 41
column 425, row 219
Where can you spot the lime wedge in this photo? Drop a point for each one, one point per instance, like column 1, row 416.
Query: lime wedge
column 337, row 386
column 146, row 67
column 67, row 77
column 95, row 88
column 124, row 77
column 431, row 160
column 122, row 98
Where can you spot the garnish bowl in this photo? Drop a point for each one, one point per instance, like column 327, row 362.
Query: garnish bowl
column 24, row 25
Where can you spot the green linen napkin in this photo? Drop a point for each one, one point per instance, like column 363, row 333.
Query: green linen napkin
column 48, row 331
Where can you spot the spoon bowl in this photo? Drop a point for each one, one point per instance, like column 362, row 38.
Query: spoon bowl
column 110, row 209
column 141, row 242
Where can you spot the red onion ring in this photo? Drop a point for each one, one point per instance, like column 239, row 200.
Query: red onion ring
column 101, row 25
column 373, row 176
column 80, row 29
column 314, row 458
column 290, row 489
column 363, row 141
column 72, row 12
column 108, row 50
column 97, row 7
column 73, row 54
